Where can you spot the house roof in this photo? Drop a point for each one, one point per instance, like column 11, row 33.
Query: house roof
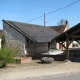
column 36, row 33
column 72, row 32
column 59, row 29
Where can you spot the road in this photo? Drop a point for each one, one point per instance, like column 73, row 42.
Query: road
column 68, row 77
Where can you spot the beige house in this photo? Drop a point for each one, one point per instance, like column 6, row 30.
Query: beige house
column 60, row 29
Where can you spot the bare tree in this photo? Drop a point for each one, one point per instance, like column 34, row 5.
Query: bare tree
column 62, row 22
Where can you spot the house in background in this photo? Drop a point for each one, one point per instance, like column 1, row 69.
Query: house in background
column 33, row 39
column 60, row 29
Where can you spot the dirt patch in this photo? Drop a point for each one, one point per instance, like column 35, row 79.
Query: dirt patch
column 36, row 69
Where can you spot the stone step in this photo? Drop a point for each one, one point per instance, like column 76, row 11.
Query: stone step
column 23, row 59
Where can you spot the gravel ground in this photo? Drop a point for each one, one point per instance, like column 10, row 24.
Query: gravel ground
column 35, row 70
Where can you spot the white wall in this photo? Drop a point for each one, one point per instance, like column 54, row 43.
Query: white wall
column 66, row 28
column 70, row 46
column 53, row 45
column 37, row 48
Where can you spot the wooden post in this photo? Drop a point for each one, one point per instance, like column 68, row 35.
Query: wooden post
column 48, row 45
column 67, row 48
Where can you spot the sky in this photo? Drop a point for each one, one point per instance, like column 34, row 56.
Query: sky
column 26, row 10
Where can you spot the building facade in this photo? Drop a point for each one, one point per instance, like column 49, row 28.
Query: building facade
column 28, row 39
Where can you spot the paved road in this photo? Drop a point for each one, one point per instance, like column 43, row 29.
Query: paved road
column 70, row 77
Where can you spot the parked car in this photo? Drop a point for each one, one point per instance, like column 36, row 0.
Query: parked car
column 54, row 52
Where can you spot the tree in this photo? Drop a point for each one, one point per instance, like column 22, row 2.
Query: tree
column 62, row 22
column 7, row 54
column 3, row 43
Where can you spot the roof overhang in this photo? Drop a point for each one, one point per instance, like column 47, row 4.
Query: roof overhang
column 71, row 33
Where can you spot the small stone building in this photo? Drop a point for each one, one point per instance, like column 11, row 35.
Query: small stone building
column 29, row 38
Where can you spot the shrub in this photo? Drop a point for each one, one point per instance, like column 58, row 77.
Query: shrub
column 7, row 56
column 3, row 43
column 47, row 59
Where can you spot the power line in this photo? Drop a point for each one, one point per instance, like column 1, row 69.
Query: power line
column 55, row 10
column 63, row 7
column 57, row 15
column 35, row 18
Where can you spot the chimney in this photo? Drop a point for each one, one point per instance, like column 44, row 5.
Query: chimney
column 67, row 24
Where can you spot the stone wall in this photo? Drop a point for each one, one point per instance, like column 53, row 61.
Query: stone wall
column 14, row 44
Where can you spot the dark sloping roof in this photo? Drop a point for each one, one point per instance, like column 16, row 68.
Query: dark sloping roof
column 59, row 29
column 36, row 33
column 75, row 30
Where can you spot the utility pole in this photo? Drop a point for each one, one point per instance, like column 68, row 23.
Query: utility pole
column 44, row 19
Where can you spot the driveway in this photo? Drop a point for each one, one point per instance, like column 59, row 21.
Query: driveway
column 35, row 69
column 75, row 76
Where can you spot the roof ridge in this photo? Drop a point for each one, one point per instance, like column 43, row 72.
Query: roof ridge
column 58, row 26
column 26, row 23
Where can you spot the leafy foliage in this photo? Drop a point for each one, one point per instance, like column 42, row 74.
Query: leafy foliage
column 3, row 43
column 7, row 55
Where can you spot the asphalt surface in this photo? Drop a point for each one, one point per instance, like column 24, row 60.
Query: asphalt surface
column 68, row 77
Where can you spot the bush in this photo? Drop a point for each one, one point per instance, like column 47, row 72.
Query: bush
column 1, row 63
column 3, row 43
column 47, row 59
column 7, row 56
